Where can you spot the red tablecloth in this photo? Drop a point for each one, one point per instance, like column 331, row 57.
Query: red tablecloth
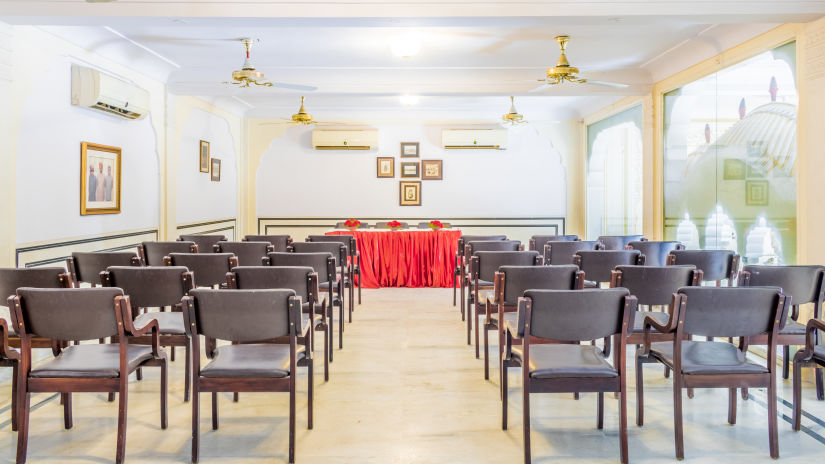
column 415, row 258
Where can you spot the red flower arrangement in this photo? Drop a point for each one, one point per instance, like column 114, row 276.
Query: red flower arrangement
column 352, row 224
column 436, row 225
column 394, row 225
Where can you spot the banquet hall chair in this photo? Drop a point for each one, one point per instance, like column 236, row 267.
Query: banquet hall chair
column 10, row 358
column 152, row 253
column 459, row 265
column 303, row 280
column 208, row 269
column 278, row 242
column 510, row 283
column 471, row 247
column 716, row 265
column 354, row 262
column 723, row 312
column 571, row 317
column 813, row 355
column 537, row 241
column 156, row 287
column 340, row 251
column 248, row 253
column 564, row 252
column 85, row 267
column 618, row 242
column 246, row 317
column 82, row 314
column 655, row 252
column 598, row 265
column 483, row 267
column 206, row 243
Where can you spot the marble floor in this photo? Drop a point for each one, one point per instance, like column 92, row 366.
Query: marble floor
column 407, row 389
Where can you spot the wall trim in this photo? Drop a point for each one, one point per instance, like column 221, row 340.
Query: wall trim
column 21, row 251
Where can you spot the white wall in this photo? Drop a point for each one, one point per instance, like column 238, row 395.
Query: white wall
column 526, row 179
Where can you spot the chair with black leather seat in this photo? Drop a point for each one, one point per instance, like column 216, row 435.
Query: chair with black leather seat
column 324, row 265
column 465, row 276
column 813, row 355
column 340, row 251
column 208, row 269
column 279, row 242
column 716, row 265
column 354, row 262
column 248, row 253
column 86, row 267
column 655, row 252
column 245, row 318
column 510, row 283
column 156, row 287
column 82, row 314
column 804, row 284
column 537, row 241
column 459, row 264
column 564, row 252
column 716, row 312
column 152, row 253
column 206, row 242
column 571, row 317
column 10, row 358
column 304, row 281
column 618, row 242
column 598, row 265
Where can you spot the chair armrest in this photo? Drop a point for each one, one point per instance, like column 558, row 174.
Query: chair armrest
column 129, row 326
column 651, row 323
column 810, row 337
column 5, row 350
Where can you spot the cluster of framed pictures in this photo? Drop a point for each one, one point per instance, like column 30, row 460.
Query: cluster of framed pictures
column 409, row 191
column 206, row 162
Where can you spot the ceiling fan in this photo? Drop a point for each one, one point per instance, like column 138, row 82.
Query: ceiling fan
column 564, row 72
column 302, row 118
column 512, row 118
column 248, row 75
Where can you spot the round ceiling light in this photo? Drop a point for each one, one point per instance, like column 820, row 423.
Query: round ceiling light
column 408, row 100
column 405, row 45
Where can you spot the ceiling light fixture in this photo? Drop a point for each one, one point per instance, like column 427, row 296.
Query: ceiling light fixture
column 513, row 117
column 405, row 45
column 408, row 100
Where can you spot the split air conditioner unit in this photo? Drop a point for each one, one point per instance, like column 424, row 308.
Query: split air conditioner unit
column 100, row 91
column 490, row 139
column 323, row 139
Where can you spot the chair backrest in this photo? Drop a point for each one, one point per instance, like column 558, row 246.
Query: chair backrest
column 383, row 225
column 209, row 269
column 518, row 279
column 242, row 315
column 278, row 242
column 715, row 264
column 150, row 286
column 348, row 241
column 338, row 250
column 465, row 239
column 248, row 253
column 12, row 278
column 322, row 263
column 205, row 243
column 731, row 311
column 470, row 248
column 68, row 314
column 655, row 252
column 655, row 285
column 618, row 242
column 578, row 315
column 152, row 253
column 87, row 266
column 563, row 253
column 296, row 278
column 485, row 264
column 802, row 283
column 537, row 241
column 599, row 264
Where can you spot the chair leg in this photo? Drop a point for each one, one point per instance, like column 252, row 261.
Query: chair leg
column 463, row 299
column 640, row 394
column 773, row 432
column 359, row 288
column 820, row 395
column 164, row 395
column 23, row 405
column 786, row 361
column 14, row 411
column 292, row 420
column 504, row 395
column 731, row 406
column 196, row 416
column 67, row 410
column 486, row 352
column 351, row 299
column 326, row 354
column 667, row 372
column 111, row 397
column 310, row 391
column 455, row 290
column 172, row 355
column 623, row 425
column 677, row 416
column 600, row 411
column 469, row 320
column 214, row 410
column 341, row 324
column 475, row 324
column 235, row 397
column 745, row 394
column 797, row 396
column 187, row 375
column 330, row 331
column 121, row 420
column 526, row 421
column 139, row 374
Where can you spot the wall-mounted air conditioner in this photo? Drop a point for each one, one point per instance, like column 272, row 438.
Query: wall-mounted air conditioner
column 100, row 91
column 324, row 139
column 495, row 139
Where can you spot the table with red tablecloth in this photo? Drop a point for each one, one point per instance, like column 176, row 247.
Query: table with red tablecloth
column 405, row 258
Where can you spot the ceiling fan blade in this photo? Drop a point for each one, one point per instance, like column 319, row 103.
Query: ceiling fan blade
column 540, row 88
column 608, row 84
column 283, row 85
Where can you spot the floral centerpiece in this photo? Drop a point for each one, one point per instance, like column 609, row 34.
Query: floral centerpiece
column 352, row 224
column 436, row 225
column 394, row 225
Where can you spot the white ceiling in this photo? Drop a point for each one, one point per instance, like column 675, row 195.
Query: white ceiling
column 473, row 54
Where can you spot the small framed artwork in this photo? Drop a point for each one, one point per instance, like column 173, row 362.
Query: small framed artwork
column 410, row 169
column 753, row 173
column 99, row 179
column 385, row 167
column 734, row 169
column 756, row 193
column 410, row 193
column 204, row 156
column 431, row 170
column 216, row 170
column 409, row 149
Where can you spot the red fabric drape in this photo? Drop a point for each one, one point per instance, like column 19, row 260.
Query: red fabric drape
column 398, row 258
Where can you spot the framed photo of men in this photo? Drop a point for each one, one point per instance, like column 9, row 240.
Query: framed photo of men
column 99, row 179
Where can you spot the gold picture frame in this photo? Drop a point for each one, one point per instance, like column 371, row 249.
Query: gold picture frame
column 99, row 191
column 203, row 155
column 385, row 167
column 431, row 170
column 216, row 170
column 409, row 193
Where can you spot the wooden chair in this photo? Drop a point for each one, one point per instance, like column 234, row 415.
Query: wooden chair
column 562, row 253
column 156, row 287
column 558, row 315
column 246, row 317
column 82, row 314
column 205, row 243
column 86, row 267
column 248, row 253
column 537, row 242
column 598, row 265
column 464, row 276
column 812, row 355
column 618, row 242
column 152, row 253
column 303, row 280
column 278, row 242
column 10, row 358
column 716, row 312
column 458, row 263
column 655, row 252
column 208, row 269
column 340, row 251
column 354, row 262
column 510, row 283
column 716, row 265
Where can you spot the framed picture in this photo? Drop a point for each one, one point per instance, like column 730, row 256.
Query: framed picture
column 410, row 193
column 752, row 173
column 409, row 149
column 734, row 169
column 204, row 156
column 431, row 170
column 756, row 193
column 385, row 167
column 99, row 179
column 410, row 169
column 216, row 170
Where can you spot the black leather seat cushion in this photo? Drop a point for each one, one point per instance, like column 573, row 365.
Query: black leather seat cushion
column 660, row 317
column 169, row 323
column 483, row 283
column 93, row 361
column 792, row 328
column 701, row 357
column 256, row 360
column 555, row 361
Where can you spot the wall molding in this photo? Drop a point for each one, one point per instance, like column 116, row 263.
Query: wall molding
column 210, row 227
column 53, row 252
